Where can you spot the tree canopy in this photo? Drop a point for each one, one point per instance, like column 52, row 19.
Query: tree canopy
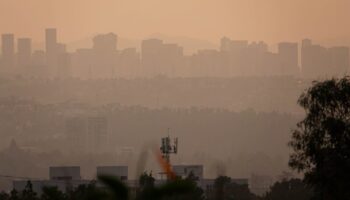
column 321, row 141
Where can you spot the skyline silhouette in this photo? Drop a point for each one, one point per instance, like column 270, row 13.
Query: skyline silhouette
column 155, row 57
column 269, row 20
column 250, row 98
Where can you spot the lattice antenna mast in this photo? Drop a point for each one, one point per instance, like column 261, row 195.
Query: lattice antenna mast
column 167, row 147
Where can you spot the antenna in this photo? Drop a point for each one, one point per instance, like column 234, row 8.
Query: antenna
column 167, row 147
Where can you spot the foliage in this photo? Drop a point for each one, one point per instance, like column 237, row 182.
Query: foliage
column 119, row 189
column 14, row 195
column 146, row 181
column 173, row 189
column 4, row 196
column 28, row 193
column 225, row 189
column 52, row 193
column 293, row 189
column 321, row 142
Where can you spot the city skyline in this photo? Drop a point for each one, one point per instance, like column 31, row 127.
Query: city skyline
column 155, row 57
column 174, row 99
column 206, row 20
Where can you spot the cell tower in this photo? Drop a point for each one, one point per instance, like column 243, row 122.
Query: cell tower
column 167, row 148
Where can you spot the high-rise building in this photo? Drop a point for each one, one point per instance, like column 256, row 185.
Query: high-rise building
column 129, row 63
column 51, row 48
column 83, row 63
column 207, row 62
column 321, row 62
column 159, row 58
column 339, row 60
column 8, row 51
column 24, row 51
column 97, row 131
column 76, row 134
column 104, row 56
column 288, row 55
column 51, row 41
column 104, row 43
column 64, row 65
column 225, row 44
column 151, row 50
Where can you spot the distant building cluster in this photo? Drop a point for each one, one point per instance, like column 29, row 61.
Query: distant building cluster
column 87, row 134
column 68, row 177
column 104, row 60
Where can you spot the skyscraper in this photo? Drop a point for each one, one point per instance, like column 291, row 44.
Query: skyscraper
column 51, row 41
column 151, row 50
column 339, row 61
column 105, row 55
column 51, row 50
column 316, row 60
column 105, row 43
column 8, row 50
column 24, row 51
column 288, row 55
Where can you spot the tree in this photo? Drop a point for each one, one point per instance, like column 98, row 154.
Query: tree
column 321, row 141
column 14, row 195
column 146, row 181
column 226, row 189
column 289, row 190
column 220, row 184
column 86, row 192
column 4, row 196
column 52, row 193
column 28, row 192
column 173, row 189
column 197, row 193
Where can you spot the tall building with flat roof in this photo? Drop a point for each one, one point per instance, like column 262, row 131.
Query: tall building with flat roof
column 51, row 48
column 321, row 62
column 151, row 50
column 158, row 58
column 97, row 132
column 8, row 50
column 104, row 56
column 288, row 55
column 50, row 40
column 24, row 51
column 339, row 61
column 104, row 43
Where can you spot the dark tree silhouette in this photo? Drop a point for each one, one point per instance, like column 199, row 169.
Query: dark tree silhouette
column 289, row 190
column 220, row 184
column 14, row 195
column 52, row 193
column 28, row 193
column 225, row 189
column 146, row 181
column 4, row 196
column 321, row 142
column 86, row 192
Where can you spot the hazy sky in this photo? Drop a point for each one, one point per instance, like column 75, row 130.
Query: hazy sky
column 269, row 20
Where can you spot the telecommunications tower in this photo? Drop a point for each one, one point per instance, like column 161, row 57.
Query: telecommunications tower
column 168, row 147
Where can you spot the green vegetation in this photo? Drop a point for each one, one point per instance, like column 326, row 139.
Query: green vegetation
column 321, row 142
